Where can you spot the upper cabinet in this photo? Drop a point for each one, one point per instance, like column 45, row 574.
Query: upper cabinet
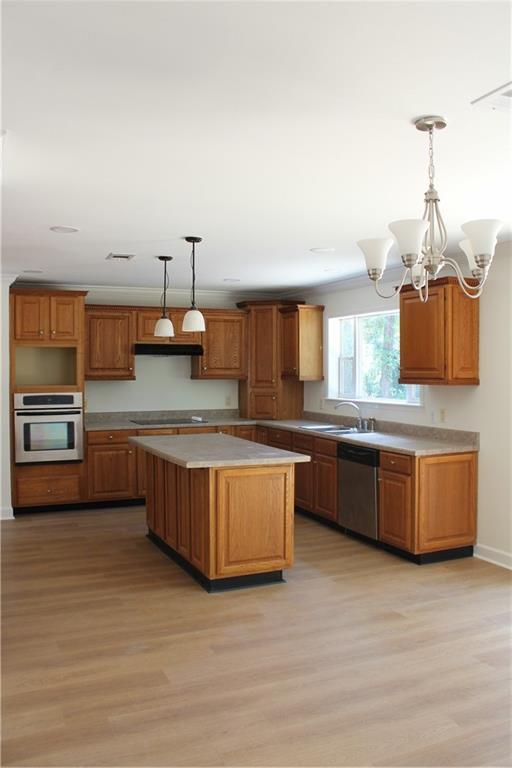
column 302, row 342
column 224, row 344
column 41, row 316
column 146, row 321
column 439, row 339
column 284, row 350
column 110, row 333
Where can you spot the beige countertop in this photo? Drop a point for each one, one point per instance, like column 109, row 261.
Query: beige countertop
column 412, row 445
column 113, row 424
column 385, row 441
column 215, row 450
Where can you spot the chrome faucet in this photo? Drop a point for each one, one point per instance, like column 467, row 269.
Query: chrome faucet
column 359, row 422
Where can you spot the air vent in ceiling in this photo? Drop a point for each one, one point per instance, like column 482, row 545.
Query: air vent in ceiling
column 499, row 99
column 120, row 256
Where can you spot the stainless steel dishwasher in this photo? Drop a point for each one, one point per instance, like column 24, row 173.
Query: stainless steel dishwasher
column 358, row 489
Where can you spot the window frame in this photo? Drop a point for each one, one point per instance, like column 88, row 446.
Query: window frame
column 334, row 337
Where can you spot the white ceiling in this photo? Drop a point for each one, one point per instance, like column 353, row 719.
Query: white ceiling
column 267, row 128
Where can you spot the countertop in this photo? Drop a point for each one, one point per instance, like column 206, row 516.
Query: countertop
column 114, row 424
column 209, row 450
column 411, row 445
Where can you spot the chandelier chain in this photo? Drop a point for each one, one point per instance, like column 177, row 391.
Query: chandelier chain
column 431, row 169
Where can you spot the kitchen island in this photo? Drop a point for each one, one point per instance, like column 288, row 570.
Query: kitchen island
column 221, row 507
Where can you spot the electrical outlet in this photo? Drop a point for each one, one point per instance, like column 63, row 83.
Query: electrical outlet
column 228, row 401
column 442, row 415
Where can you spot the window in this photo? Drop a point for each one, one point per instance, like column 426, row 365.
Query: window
column 364, row 352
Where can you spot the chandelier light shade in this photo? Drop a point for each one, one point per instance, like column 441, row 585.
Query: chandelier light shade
column 193, row 321
column 422, row 242
column 409, row 234
column 164, row 326
column 376, row 253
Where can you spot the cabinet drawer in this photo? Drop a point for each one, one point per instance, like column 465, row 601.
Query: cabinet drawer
column 47, row 490
column 156, row 432
column 104, row 437
column 325, row 447
column 302, row 442
column 196, row 430
column 280, row 438
column 396, row 462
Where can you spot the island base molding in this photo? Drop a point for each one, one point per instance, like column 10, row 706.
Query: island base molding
column 216, row 585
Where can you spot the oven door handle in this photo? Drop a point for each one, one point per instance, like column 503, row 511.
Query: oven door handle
column 48, row 413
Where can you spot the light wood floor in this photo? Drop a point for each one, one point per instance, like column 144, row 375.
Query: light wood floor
column 112, row 656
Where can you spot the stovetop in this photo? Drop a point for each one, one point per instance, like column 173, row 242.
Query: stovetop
column 159, row 422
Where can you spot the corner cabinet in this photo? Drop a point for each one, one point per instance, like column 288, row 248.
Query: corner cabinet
column 224, row 344
column 439, row 339
column 109, row 337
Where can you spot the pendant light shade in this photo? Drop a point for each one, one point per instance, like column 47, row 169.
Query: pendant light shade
column 164, row 326
column 193, row 322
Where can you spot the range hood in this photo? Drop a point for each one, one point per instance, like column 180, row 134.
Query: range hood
column 166, row 350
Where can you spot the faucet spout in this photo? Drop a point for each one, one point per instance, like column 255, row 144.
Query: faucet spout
column 354, row 405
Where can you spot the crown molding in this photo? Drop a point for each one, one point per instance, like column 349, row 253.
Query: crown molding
column 393, row 275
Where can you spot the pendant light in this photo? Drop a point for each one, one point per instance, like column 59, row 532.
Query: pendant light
column 193, row 321
column 164, row 326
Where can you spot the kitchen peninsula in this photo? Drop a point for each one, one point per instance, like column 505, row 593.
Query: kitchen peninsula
column 221, row 507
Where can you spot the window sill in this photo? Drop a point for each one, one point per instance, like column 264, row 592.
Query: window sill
column 374, row 403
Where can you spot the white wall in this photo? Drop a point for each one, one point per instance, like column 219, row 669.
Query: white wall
column 486, row 409
column 162, row 383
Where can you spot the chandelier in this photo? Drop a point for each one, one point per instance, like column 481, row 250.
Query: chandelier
column 422, row 242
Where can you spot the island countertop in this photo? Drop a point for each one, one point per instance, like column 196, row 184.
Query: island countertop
column 215, row 450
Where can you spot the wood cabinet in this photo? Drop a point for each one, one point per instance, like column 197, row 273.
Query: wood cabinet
column 302, row 342
column 111, row 465
column 427, row 504
column 316, row 487
column 146, row 318
column 265, row 394
column 110, row 333
column 304, row 473
column 439, row 339
column 40, row 485
column 246, row 432
column 225, row 346
column 142, row 455
column 44, row 316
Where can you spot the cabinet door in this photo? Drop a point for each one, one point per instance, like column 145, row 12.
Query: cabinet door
column 395, row 509
column 31, row 317
column 464, row 343
column 146, row 320
column 289, row 343
column 262, row 404
column 422, row 337
column 112, row 472
column 225, row 348
column 65, row 318
column 261, row 435
column 304, row 484
column 246, row 433
column 171, row 505
column 183, row 337
column 326, row 486
column 109, row 344
column 263, row 346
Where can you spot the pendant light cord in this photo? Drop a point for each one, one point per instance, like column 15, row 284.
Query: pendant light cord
column 193, row 264
column 163, row 297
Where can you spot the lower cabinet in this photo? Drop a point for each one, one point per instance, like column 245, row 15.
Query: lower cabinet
column 246, row 432
column 47, row 484
column 427, row 504
column 316, row 483
column 111, row 465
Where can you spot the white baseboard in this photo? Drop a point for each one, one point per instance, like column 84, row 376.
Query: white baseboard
column 492, row 555
column 6, row 513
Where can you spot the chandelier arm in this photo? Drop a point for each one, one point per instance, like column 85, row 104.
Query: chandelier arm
column 423, row 297
column 472, row 291
column 442, row 229
column 397, row 289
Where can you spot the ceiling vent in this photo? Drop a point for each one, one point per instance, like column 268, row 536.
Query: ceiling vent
column 499, row 99
column 120, row 256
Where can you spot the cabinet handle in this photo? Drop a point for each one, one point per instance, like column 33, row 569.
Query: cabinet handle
column 130, row 368
column 130, row 452
column 205, row 367
column 41, row 333
column 53, row 333
column 274, row 398
column 273, row 381
column 111, row 437
column 392, row 461
column 49, row 490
